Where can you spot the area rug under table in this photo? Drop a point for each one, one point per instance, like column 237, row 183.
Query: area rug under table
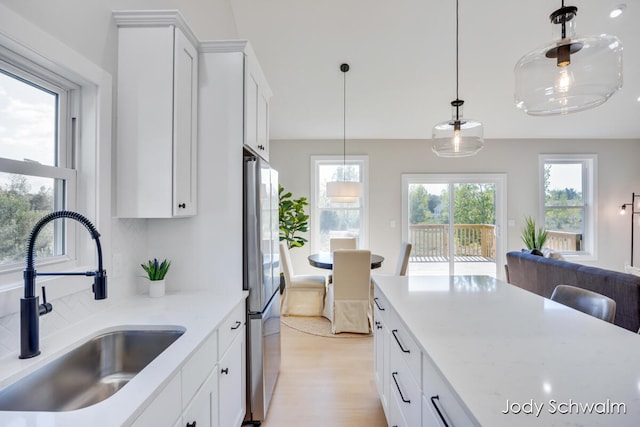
column 316, row 326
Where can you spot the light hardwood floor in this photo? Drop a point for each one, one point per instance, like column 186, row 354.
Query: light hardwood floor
column 325, row 382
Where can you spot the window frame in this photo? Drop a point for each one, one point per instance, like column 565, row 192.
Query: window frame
column 589, row 163
column 315, row 162
column 68, row 94
column 93, row 135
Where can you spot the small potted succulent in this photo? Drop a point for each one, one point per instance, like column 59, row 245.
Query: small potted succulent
column 155, row 273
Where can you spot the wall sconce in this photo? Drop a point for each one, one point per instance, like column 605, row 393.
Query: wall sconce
column 635, row 210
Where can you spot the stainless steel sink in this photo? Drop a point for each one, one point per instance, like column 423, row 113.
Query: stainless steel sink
column 89, row 373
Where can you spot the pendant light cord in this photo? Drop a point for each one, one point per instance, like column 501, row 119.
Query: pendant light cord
column 344, row 68
column 344, row 123
column 457, row 48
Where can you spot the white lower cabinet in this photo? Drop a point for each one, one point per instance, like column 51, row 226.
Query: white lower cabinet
column 210, row 389
column 232, row 383
column 405, row 389
column 412, row 390
column 164, row 409
column 202, row 411
column 439, row 400
column 381, row 345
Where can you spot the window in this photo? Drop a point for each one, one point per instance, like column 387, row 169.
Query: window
column 568, row 201
column 36, row 165
column 337, row 219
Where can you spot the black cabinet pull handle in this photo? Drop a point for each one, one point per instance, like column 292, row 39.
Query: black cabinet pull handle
column 236, row 326
column 433, row 402
column 225, row 371
column 404, row 350
column 193, row 424
column 378, row 325
column 398, row 387
column 182, row 205
column 378, row 305
column 261, row 147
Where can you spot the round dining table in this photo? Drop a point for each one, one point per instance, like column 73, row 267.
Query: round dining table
column 325, row 260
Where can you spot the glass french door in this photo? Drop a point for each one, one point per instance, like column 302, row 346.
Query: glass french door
column 454, row 223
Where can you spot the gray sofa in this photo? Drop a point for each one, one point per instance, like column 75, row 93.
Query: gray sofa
column 541, row 275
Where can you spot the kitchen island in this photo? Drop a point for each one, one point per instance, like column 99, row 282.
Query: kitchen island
column 492, row 354
column 177, row 387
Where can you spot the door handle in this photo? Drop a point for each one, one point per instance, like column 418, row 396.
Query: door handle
column 236, row 326
column 224, row 371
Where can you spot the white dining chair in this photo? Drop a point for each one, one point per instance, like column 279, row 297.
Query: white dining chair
column 347, row 300
column 336, row 243
column 303, row 294
column 403, row 259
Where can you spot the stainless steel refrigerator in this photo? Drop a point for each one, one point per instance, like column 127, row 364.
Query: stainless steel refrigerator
column 262, row 280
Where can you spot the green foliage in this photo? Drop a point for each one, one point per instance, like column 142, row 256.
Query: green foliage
column 474, row 203
column 293, row 219
column 20, row 209
column 156, row 270
column 533, row 238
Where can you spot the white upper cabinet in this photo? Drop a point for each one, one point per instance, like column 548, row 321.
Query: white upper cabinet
column 244, row 93
column 156, row 115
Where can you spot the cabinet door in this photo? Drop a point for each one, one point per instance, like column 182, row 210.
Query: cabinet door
column 231, row 406
column 202, row 411
column 250, row 107
column 379, row 360
column 263, row 125
column 164, row 409
column 185, row 126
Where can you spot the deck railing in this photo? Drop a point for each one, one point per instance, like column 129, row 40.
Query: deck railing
column 431, row 240
column 563, row 241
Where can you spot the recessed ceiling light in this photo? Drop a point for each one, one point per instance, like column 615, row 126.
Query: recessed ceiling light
column 638, row 99
column 617, row 11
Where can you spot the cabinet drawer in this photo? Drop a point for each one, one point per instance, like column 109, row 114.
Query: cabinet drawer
column 403, row 386
column 439, row 399
column 198, row 367
column 230, row 328
column 380, row 306
column 403, row 341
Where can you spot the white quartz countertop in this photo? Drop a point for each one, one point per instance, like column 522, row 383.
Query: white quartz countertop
column 198, row 312
column 503, row 349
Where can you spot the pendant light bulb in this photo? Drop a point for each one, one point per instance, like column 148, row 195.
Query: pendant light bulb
column 457, row 137
column 569, row 74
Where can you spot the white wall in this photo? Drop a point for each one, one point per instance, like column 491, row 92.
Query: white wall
column 618, row 177
column 88, row 27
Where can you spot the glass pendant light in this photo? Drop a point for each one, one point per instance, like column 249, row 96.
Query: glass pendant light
column 344, row 191
column 570, row 74
column 457, row 137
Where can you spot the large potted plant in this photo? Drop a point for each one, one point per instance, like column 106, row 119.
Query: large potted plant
column 293, row 221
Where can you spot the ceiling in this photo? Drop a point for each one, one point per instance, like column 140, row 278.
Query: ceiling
column 402, row 59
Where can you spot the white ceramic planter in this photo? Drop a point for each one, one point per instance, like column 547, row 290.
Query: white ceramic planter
column 156, row 288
